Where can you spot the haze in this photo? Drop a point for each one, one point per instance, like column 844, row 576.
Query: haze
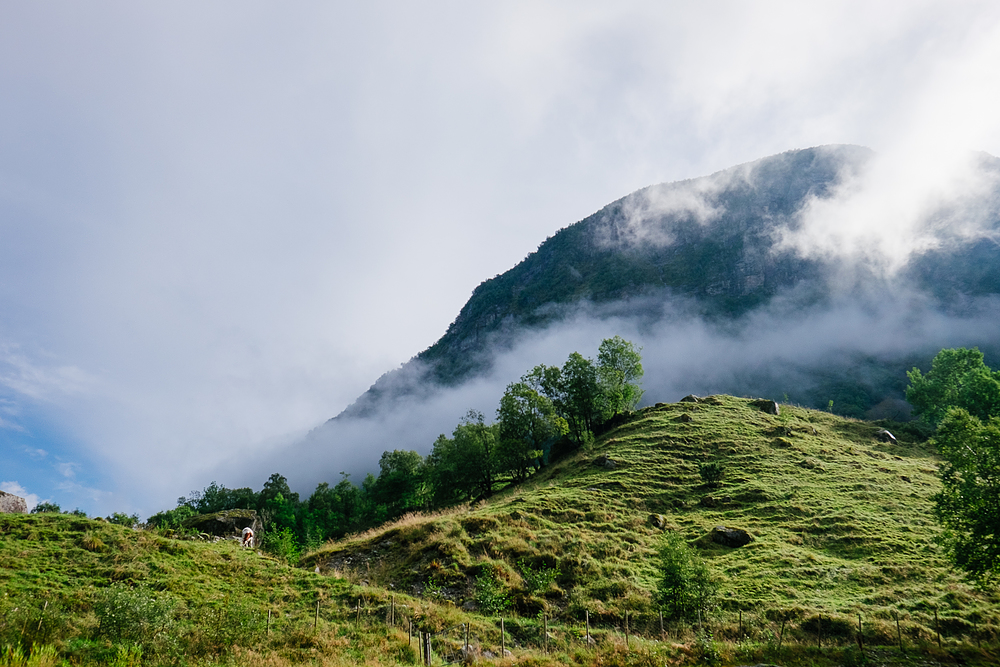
column 220, row 224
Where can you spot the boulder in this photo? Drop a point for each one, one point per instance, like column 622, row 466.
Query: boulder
column 225, row 523
column 606, row 462
column 11, row 504
column 685, row 418
column 883, row 435
column 691, row 398
column 731, row 537
column 657, row 521
column 765, row 405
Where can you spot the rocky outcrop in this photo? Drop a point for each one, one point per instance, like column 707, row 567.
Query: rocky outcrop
column 226, row 523
column 765, row 405
column 11, row 504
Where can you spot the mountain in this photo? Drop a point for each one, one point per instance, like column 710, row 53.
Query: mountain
column 711, row 249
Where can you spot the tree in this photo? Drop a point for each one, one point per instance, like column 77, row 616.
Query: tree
column 45, row 507
column 465, row 465
column 968, row 504
column 582, row 402
column 957, row 378
column 527, row 421
column 619, row 368
column 400, row 486
column 685, row 585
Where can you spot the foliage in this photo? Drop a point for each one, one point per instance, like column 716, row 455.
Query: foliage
column 712, row 472
column 122, row 519
column 536, row 578
column 282, row 543
column 492, row 595
column 958, row 379
column 133, row 616
column 45, row 507
column 172, row 519
column 968, row 504
column 619, row 366
column 527, row 421
column 685, row 585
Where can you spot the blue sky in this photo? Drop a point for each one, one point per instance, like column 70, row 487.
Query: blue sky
column 219, row 224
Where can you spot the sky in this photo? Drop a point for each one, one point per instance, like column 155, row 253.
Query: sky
column 220, row 223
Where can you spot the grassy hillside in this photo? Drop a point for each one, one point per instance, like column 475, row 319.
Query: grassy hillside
column 841, row 526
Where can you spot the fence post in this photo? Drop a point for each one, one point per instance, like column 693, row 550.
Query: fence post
column 699, row 621
column 359, row 612
column 739, row 637
column 427, row 648
column 781, row 634
column 409, row 632
column 861, row 635
column 316, row 619
column 661, row 626
column 899, row 635
column 545, row 631
column 627, row 647
column 587, row 612
column 392, row 611
column 937, row 627
column 503, row 640
column 268, row 622
column 467, row 638
column 819, row 633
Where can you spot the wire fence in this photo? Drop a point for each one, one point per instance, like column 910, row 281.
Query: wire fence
column 496, row 637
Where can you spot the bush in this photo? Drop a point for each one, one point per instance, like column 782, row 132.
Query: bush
column 133, row 616
column 685, row 586
column 282, row 543
column 45, row 507
column 122, row 519
column 491, row 594
column 712, row 473
column 536, row 579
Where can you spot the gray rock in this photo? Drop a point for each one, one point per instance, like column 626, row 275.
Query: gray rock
column 606, row 462
column 691, row 398
column 11, row 504
column 657, row 521
column 685, row 418
column 765, row 405
column 731, row 537
column 883, row 435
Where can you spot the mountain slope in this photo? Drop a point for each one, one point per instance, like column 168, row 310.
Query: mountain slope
column 842, row 525
column 708, row 247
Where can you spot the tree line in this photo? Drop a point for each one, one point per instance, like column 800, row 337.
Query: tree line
column 549, row 412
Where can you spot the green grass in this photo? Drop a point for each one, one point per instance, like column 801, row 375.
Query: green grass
column 842, row 526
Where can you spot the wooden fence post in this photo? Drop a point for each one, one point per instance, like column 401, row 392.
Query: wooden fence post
column 392, row 611
column 268, row 622
column 937, row 627
column 503, row 640
column 359, row 612
column 781, row 634
column 409, row 632
column 587, row 612
column 861, row 635
column 627, row 647
column 467, row 638
column 545, row 631
column 661, row 626
column 899, row 635
column 427, row 649
column 819, row 633
column 316, row 619
column 739, row 637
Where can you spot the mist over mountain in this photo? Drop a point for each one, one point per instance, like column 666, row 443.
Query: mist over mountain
column 811, row 276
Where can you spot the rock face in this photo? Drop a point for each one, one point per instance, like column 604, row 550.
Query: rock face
column 884, row 436
column 11, row 504
column 227, row 523
column 731, row 537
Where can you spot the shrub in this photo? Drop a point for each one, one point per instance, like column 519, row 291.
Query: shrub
column 282, row 543
column 133, row 616
column 491, row 593
column 122, row 519
column 685, row 585
column 45, row 507
column 712, row 472
column 536, row 579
